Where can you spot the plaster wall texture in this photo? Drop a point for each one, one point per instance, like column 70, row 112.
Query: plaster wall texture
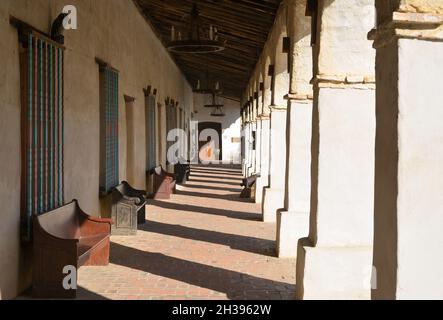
column 343, row 47
column 274, row 195
column 245, row 132
column 258, row 146
column 299, row 28
column 231, row 124
column 115, row 32
column 263, row 180
column 253, row 150
column 343, row 167
column 421, row 6
column 333, row 273
column 299, row 156
column 293, row 220
column 339, row 246
column 408, row 202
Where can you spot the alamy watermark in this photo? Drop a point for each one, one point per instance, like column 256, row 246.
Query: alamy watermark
column 70, row 21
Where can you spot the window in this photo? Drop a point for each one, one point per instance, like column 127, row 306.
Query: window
column 151, row 145
column 41, row 72
column 109, row 114
column 171, row 122
column 160, row 127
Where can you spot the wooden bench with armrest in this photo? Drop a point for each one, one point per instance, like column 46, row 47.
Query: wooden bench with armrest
column 164, row 183
column 128, row 209
column 182, row 171
column 64, row 237
column 248, row 183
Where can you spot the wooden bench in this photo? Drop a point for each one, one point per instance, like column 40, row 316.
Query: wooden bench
column 164, row 183
column 66, row 236
column 248, row 183
column 128, row 209
column 182, row 171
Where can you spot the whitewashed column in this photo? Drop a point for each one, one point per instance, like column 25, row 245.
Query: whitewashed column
column 252, row 129
column 247, row 133
column 335, row 261
column 293, row 220
column 408, row 238
column 258, row 128
column 263, row 180
column 274, row 195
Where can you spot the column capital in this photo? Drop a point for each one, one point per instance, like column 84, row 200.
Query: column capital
column 264, row 116
column 344, row 81
column 408, row 25
column 299, row 97
column 277, row 108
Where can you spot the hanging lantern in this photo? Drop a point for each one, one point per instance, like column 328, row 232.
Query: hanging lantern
column 206, row 85
column 218, row 107
column 196, row 42
column 218, row 112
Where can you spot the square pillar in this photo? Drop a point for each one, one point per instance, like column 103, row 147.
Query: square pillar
column 293, row 220
column 263, row 181
column 246, row 160
column 408, row 238
column 335, row 261
column 251, row 166
column 257, row 146
column 273, row 197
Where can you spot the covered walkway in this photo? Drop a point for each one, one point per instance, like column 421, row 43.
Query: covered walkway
column 204, row 243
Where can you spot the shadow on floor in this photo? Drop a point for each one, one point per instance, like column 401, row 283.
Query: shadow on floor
column 218, row 177
column 82, row 294
column 212, row 211
column 234, row 284
column 226, row 173
column 236, row 242
column 231, row 167
column 215, row 182
column 198, row 186
column 229, row 197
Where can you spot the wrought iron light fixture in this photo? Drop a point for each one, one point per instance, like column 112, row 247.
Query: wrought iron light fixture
column 218, row 112
column 218, row 107
column 207, row 86
column 196, row 42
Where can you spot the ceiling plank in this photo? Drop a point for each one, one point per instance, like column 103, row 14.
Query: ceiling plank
column 244, row 24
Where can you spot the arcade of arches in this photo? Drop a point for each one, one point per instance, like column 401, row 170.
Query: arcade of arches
column 341, row 128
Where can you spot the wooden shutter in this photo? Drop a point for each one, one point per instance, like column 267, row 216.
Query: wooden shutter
column 41, row 69
column 151, row 145
column 109, row 131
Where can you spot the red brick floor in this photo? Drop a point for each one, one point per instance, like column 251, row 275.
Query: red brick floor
column 204, row 243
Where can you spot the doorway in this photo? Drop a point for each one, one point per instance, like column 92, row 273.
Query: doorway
column 210, row 146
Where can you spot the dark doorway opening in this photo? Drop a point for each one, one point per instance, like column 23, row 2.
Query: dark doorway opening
column 210, row 132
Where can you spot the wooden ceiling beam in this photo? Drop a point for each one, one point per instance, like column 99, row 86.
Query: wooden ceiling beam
column 244, row 24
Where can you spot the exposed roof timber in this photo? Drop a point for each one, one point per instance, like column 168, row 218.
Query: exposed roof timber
column 244, row 24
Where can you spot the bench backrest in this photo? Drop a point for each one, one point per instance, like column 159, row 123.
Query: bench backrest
column 122, row 189
column 62, row 222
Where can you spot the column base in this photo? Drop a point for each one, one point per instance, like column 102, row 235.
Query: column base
column 332, row 273
column 273, row 199
column 291, row 227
